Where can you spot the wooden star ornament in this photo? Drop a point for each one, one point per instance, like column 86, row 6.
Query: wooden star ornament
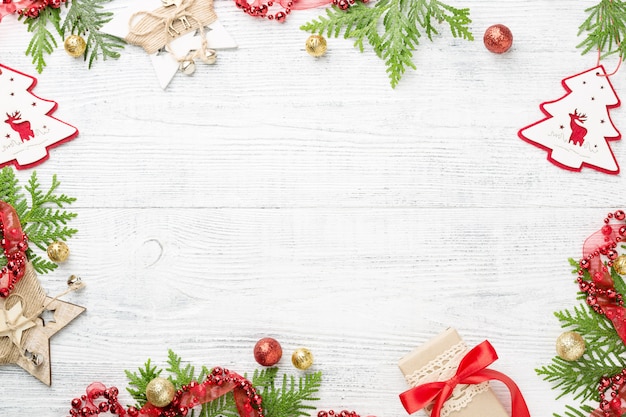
column 24, row 334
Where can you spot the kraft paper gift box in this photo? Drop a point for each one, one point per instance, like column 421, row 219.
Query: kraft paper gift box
column 437, row 360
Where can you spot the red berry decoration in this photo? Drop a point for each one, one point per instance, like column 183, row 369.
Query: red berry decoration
column 498, row 39
column 267, row 351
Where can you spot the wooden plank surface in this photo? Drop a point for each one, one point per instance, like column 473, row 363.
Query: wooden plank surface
column 278, row 195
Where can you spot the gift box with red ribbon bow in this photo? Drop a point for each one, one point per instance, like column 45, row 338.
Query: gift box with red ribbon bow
column 448, row 379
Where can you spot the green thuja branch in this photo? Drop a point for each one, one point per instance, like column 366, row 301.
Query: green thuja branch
column 605, row 27
column 290, row 398
column 402, row 23
column 570, row 411
column 605, row 353
column 139, row 381
column 43, row 215
column 85, row 18
column 43, row 41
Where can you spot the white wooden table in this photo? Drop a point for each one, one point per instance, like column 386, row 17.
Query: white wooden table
column 274, row 194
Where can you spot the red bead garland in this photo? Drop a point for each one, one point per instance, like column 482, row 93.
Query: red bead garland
column 611, row 406
column 14, row 244
column 34, row 9
column 601, row 294
column 258, row 9
column 603, row 298
column 100, row 399
column 345, row 4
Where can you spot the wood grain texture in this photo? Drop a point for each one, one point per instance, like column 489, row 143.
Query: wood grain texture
column 278, row 195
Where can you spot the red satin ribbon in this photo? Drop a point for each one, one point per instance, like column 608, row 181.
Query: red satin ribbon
column 471, row 370
column 602, row 277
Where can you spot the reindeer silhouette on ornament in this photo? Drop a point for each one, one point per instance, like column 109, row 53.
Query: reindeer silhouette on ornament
column 579, row 138
column 30, row 128
column 20, row 126
column 578, row 130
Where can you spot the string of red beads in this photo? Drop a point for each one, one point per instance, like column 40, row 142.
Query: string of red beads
column 611, row 406
column 263, row 10
column 34, row 9
column 594, row 288
column 14, row 243
column 345, row 4
column 185, row 399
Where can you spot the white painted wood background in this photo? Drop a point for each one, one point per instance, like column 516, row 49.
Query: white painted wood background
column 274, row 194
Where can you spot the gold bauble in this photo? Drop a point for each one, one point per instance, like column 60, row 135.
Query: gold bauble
column 160, row 392
column 58, row 252
column 570, row 346
column 619, row 264
column 316, row 45
column 302, row 358
column 75, row 46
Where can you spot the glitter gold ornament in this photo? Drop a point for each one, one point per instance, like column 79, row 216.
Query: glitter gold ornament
column 316, row 45
column 75, row 46
column 267, row 351
column 570, row 346
column 302, row 358
column 58, row 252
column 160, row 392
column 498, row 39
column 619, row 264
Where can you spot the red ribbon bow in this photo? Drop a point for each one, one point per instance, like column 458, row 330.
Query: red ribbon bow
column 471, row 370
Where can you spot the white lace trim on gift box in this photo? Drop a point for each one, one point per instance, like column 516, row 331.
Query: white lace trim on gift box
column 442, row 368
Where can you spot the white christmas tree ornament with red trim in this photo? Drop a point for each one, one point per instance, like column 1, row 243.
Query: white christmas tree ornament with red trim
column 577, row 127
column 28, row 129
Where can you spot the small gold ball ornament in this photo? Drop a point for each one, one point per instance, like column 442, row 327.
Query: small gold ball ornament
column 160, row 392
column 75, row 46
column 58, row 252
column 302, row 358
column 316, row 45
column 570, row 346
column 619, row 264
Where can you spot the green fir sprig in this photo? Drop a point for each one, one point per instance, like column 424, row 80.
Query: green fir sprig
column 605, row 28
column 85, row 18
column 605, row 353
column 43, row 41
column 42, row 214
column 402, row 23
column 290, row 398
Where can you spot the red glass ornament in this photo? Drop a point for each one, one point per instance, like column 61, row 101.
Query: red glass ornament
column 498, row 39
column 267, row 351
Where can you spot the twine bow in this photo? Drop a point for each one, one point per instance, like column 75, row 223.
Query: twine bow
column 471, row 370
column 152, row 30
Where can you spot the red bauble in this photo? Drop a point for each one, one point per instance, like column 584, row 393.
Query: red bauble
column 498, row 39
column 267, row 351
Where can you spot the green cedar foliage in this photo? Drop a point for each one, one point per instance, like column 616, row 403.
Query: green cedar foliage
column 605, row 354
column 400, row 21
column 605, row 29
column 43, row 41
column 43, row 214
column 291, row 398
column 84, row 18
